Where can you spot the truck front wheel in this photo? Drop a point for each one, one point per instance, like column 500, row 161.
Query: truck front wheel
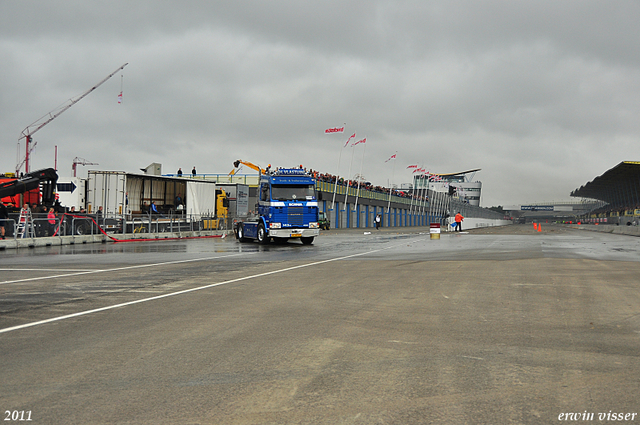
column 307, row 241
column 262, row 234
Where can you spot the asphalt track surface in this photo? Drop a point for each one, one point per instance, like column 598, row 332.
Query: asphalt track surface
column 494, row 326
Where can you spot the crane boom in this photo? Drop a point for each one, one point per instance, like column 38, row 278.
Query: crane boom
column 237, row 163
column 80, row 161
column 47, row 118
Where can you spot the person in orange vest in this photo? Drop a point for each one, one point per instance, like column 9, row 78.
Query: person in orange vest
column 459, row 219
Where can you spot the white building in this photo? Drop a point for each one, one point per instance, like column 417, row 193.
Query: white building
column 458, row 185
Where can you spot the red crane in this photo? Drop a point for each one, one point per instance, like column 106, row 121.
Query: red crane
column 80, row 161
column 46, row 119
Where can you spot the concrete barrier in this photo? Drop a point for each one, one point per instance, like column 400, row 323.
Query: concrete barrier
column 84, row 239
column 473, row 223
column 608, row 228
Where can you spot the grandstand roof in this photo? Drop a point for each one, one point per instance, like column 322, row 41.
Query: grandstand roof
column 456, row 174
column 618, row 186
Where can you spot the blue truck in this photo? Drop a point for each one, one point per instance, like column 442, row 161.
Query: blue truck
column 287, row 208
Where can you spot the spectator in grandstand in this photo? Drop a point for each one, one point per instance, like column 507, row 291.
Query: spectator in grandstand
column 154, row 209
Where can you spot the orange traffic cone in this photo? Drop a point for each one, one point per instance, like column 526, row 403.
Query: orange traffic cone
column 540, row 227
column 535, row 226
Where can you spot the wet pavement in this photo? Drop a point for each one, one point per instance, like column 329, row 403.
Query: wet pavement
column 494, row 325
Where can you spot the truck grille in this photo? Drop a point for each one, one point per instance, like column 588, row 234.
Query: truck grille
column 295, row 216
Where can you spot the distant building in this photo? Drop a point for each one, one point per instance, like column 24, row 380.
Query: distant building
column 557, row 210
column 458, row 185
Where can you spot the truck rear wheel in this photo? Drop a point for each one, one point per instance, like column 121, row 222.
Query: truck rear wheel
column 240, row 233
column 307, row 241
column 83, row 229
column 262, row 234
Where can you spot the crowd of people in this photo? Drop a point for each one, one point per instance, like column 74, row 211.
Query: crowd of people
column 329, row 178
column 44, row 221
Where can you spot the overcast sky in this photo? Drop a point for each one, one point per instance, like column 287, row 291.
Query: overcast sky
column 542, row 96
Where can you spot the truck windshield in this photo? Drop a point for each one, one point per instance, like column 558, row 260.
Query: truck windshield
column 292, row 192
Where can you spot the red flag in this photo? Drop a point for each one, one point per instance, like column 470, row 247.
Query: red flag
column 391, row 157
column 334, row 130
column 120, row 98
column 360, row 141
column 353, row 136
column 412, row 166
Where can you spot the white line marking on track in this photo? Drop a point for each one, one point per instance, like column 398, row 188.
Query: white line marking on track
column 79, row 273
column 186, row 291
column 45, row 270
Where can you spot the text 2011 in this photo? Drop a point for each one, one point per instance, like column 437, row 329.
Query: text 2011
column 17, row 415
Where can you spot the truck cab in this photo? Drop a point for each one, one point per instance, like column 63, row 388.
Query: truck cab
column 287, row 208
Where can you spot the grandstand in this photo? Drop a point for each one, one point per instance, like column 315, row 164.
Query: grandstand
column 619, row 188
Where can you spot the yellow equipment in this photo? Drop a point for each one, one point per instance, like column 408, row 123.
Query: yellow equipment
column 237, row 163
column 222, row 212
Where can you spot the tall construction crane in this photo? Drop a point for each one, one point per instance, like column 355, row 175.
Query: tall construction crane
column 28, row 132
column 80, row 161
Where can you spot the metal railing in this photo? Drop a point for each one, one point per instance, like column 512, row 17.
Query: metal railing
column 78, row 224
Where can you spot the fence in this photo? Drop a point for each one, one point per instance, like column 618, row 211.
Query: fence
column 358, row 208
column 38, row 225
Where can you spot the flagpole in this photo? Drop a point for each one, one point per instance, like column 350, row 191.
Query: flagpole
column 426, row 198
column 418, row 190
column 413, row 192
column 423, row 195
column 335, row 186
column 346, row 194
column 433, row 199
column 440, row 203
column 420, row 199
column 391, row 184
column 423, row 201
column 361, row 163
column 413, row 195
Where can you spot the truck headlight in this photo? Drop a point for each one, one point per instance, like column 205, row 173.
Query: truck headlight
column 275, row 225
column 313, row 225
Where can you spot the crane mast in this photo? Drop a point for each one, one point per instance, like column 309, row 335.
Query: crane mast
column 28, row 132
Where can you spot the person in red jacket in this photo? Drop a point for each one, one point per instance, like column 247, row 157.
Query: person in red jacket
column 459, row 219
column 51, row 217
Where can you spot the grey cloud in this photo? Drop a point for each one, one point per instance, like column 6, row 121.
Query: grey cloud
column 528, row 91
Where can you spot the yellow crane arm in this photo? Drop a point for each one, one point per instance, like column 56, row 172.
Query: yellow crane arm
column 237, row 163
